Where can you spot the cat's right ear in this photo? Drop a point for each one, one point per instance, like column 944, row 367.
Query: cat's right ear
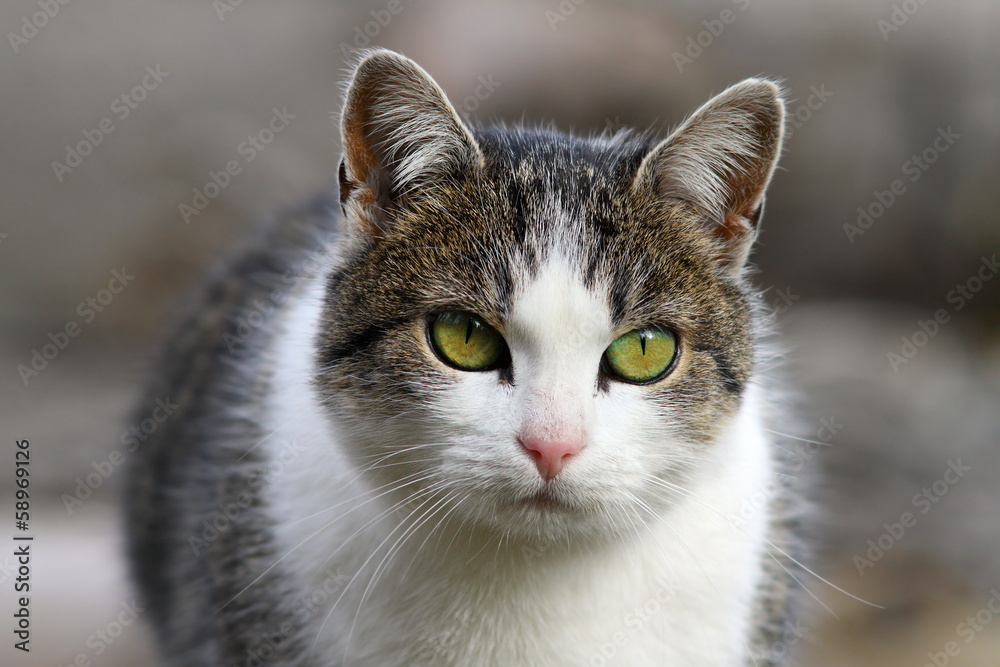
column 400, row 135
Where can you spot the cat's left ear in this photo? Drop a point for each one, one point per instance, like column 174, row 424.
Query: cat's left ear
column 400, row 136
column 720, row 161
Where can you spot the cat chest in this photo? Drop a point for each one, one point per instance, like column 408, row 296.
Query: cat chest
column 636, row 611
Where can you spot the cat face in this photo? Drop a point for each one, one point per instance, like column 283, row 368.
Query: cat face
column 541, row 332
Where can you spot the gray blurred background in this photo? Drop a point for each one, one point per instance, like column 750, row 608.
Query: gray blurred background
column 873, row 86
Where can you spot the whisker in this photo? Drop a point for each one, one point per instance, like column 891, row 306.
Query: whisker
column 800, row 439
column 732, row 520
column 383, row 566
column 354, row 578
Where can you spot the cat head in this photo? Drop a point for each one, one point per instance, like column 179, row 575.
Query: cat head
column 541, row 330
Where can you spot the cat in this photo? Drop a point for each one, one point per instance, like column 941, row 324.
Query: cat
column 498, row 399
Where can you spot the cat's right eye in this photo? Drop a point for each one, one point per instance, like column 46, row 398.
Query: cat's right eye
column 464, row 341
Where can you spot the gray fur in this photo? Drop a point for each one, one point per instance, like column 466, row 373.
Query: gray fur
column 649, row 219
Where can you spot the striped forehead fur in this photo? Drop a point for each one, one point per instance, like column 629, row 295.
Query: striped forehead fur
column 481, row 236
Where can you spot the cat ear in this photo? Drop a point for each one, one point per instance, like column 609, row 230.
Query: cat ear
column 720, row 161
column 399, row 134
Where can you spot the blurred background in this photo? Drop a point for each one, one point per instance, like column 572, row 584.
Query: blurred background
column 879, row 252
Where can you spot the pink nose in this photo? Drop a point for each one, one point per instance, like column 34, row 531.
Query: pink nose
column 550, row 456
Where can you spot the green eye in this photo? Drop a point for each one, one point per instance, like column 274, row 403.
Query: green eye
column 465, row 341
column 641, row 355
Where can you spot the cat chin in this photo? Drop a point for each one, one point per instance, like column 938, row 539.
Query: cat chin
column 550, row 517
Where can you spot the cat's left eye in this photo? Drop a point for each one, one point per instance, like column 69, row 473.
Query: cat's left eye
column 642, row 355
column 463, row 340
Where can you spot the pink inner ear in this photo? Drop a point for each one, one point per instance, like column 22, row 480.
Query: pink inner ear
column 733, row 227
column 359, row 159
column 361, row 203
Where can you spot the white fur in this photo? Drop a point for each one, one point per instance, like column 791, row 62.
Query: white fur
column 516, row 586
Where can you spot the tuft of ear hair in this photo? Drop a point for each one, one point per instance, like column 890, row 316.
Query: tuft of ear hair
column 399, row 134
column 720, row 161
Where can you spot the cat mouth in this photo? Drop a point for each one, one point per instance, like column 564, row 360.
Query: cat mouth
column 547, row 500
